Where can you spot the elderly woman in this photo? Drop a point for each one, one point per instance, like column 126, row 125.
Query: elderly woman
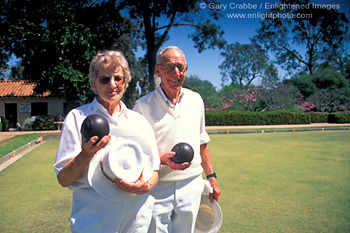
column 98, row 208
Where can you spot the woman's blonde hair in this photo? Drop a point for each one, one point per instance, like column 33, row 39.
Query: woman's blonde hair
column 105, row 59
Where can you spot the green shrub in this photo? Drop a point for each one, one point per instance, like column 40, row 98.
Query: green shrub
column 339, row 117
column 5, row 124
column 255, row 118
column 46, row 122
column 43, row 122
column 318, row 117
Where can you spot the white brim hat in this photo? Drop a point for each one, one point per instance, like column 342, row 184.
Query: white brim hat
column 209, row 218
column 125, row 157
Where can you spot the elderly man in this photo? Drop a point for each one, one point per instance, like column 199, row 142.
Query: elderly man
column 177, row 115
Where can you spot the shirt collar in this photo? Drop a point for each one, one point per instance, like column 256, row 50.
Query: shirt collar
column 165, row 98
column 97, row 107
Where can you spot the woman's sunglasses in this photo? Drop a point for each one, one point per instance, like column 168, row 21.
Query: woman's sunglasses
column 106, row 79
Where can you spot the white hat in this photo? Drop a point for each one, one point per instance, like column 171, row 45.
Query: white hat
column 209, row 218
column 122, row 158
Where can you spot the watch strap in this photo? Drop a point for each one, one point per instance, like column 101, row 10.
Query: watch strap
column 211, row 175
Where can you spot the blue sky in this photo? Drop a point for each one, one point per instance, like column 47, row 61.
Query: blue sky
column 205, row 64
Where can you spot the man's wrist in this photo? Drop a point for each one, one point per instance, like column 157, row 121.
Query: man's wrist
column 211, row 175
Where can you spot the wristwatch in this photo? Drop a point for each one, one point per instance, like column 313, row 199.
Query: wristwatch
column 211, row 175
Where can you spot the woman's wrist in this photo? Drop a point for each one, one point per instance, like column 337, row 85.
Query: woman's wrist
column 149, row 184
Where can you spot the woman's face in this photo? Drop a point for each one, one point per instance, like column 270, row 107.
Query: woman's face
column 110, row 84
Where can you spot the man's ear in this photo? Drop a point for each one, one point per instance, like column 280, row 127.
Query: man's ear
column 157, row 70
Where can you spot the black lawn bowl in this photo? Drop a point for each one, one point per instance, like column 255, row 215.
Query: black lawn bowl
column 94, row 125
column 184, row 153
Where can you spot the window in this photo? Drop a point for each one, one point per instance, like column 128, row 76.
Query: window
column 39, row 108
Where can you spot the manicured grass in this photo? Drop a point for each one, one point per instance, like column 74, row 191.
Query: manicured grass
column 31, row 200
column 284, row 182
column 14, row 143
column 291, row 129
column 278, row 182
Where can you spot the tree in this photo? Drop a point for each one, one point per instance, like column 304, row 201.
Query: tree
column 332, row 93
column 56, row 40
column 4, row 41
column 326, row 90
column 270, row 78
column 302, row 83
column 244, row 63
column 205, row 89
column 16, row 72
column 155, row 18
column 327, row 77
column 303, row 37
column 280, row 97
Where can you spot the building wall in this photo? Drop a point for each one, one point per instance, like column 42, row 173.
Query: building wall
column 55, row 107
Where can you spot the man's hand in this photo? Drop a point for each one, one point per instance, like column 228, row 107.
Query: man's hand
column 166, row 160
column 216, row 190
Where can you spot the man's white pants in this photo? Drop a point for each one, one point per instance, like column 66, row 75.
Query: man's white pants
column 176, row 205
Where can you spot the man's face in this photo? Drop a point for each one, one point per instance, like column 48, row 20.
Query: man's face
column 172, row 71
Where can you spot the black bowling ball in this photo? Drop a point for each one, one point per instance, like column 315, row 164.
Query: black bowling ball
column 184, row 153
column 94, row 125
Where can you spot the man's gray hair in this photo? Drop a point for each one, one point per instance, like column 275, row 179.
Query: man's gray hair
column 166, row 49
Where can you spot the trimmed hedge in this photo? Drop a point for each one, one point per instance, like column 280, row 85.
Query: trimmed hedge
column 339, row 117
column 318, row 117
column 255, row 118
column 217, row 118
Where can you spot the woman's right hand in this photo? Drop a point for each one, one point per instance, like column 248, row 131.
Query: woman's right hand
column 90, row 147
column 73, row 169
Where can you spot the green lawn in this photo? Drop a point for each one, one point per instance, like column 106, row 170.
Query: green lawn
column 284, row 182
column 16, row 142
column 276, row 182
column 31, row 199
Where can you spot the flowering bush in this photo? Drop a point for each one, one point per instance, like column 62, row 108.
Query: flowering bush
column 59, row 118
column 46, row 122
column 328, row 100
column 258, row 99
column 241, row 99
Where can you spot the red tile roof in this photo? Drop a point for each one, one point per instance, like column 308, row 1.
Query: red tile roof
column 22, row 88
